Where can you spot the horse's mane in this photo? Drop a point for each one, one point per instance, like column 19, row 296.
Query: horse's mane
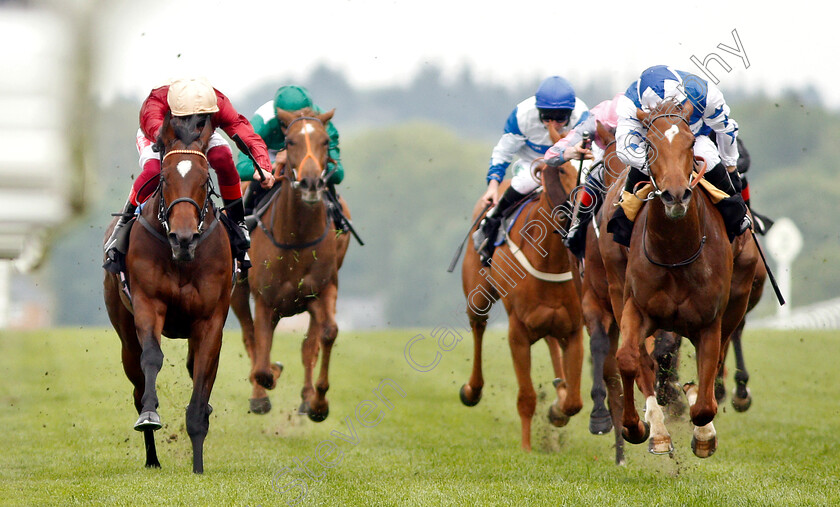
column 188, row 128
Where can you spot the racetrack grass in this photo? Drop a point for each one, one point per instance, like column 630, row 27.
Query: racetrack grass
column 67, row 415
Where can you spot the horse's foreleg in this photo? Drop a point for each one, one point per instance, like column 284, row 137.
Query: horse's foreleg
column 131, row 352
column 666, row 352
column 309, row 357
column 612, row 379
column 322, row 313
column 741, row 398
column 599, row 346
column 573, row 366
column 471, row 391
column 702, row 398
column 206, row 341
column 628, row 357
column 261, row 373
column 660, row 438
column 148, row 320
column 555, row 411
column 526, row 401
column 240, row 303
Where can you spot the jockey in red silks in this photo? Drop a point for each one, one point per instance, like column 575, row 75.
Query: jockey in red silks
column 184, row 97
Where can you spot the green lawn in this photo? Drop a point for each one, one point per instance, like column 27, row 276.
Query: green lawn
column 67, row 415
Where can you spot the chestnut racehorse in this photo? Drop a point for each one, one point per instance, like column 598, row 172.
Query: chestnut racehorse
column 296, row 254
column 536, row 308
column 180, row 273
column 680, row 274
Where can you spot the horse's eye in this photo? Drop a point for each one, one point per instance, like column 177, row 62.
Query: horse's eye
column 289, row 142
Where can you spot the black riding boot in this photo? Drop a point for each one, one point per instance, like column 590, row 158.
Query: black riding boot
column 126, row 215
column 116, row 244
column 733, row 209
column 236, row 212
column 485, row 236
column 620, row 225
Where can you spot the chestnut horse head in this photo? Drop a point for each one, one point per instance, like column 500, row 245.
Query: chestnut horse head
column 670, row 157
column 307, row 148
column 184, row 186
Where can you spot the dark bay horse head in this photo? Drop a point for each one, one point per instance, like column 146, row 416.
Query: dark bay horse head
column 184, row 181
column 307, row 149
column 670, row 154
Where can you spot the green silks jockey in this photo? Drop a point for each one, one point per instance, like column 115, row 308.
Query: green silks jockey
column 267, row 126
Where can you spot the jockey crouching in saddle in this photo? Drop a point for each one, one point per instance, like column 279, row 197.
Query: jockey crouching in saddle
column 531, row 129
column 268, row 126
column 590, row 197
column 185, row 97
column 710, row 115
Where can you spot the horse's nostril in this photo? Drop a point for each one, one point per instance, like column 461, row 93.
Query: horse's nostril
column 667, row 197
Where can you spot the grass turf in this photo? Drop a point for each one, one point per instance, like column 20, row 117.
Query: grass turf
column 67, row 415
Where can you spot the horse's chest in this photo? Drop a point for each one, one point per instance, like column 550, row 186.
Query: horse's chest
column 290, row 290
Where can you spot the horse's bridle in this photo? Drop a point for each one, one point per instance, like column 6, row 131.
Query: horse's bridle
column 295, row 178
column 657, row 192
column 164, row 210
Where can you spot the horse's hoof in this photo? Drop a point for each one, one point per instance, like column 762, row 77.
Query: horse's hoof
column 303, row 409
column 637, row 439
column 318, row 417
column 703, row 448
column 276, row 369
column 466, row 401
column 558, row 382
column 741, row 404
column 148, row 420
column 556, row 417
column 260, row 405
column 600, row 424
column 660, row 445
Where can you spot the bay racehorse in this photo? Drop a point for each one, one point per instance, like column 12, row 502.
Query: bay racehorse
column 532, row 273
column 180, row 273
column 296, row 254
column 680, row 274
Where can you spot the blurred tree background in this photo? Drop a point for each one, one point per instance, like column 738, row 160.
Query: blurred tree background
column 416, row 157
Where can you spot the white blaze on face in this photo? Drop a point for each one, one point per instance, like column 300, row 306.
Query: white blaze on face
column 308, row 128
column 671, row 132
column 184, row 167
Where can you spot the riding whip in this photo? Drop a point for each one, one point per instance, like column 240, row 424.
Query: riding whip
column 469, row 233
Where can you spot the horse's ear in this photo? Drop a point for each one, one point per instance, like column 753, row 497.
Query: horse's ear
column 604, row 134
column 285, row 117
column 642, row 116
column 688, row 107
column 166, row 132
column 326, row 117
column 207, row 131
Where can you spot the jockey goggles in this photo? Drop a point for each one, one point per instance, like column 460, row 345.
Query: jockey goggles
column 558, row 115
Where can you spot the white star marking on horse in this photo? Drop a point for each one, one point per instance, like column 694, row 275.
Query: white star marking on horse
column 184, row 167
column 671, row 132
